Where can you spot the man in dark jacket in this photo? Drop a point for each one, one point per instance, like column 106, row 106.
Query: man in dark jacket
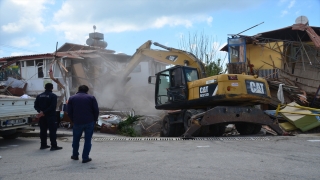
column 83, row 111
column 45, row 104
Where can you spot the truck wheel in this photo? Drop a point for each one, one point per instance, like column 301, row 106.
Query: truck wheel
column 179, row 129
column 11, row 136
column 245, row 128
column 167, row 129
column 187, row 120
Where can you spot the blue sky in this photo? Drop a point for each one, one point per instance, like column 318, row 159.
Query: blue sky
column 34, row 26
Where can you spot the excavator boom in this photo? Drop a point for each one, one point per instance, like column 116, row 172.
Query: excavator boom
column 171, row 56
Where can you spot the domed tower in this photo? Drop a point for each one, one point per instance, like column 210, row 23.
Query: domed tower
column 96, row 39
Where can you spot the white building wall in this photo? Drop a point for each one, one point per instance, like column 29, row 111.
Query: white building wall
column 148, row 68
column 35, row 84
column 140, row 78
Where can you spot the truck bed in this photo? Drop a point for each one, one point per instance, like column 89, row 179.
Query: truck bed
column 12, row 107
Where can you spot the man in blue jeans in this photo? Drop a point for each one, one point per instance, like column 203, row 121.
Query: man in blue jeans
column 83, row 111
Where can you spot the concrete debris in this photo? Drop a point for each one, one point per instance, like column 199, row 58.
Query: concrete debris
column 108, row 128
column 109, row 119
column 269, row 130
column 148, row 125
column 13, row 87
column 301, row 117
column 231, row 130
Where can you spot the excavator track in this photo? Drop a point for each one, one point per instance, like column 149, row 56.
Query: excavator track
column 240, row 116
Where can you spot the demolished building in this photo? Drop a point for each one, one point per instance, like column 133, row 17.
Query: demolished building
column 289, row 56
column 289, row 59
column 73, row 65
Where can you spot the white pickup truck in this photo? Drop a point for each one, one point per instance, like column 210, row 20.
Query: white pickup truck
column 16, row 115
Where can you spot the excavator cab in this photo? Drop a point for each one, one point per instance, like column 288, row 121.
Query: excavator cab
column 171, row 85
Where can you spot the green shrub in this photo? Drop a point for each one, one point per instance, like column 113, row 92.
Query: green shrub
column 125, row 127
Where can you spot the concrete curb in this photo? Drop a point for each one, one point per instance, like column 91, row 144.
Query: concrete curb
column 63, row 132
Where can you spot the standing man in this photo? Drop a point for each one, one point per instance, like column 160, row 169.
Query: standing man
column 45, row 104
column 83, row 111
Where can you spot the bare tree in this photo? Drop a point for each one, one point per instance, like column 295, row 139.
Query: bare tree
column 204, row 48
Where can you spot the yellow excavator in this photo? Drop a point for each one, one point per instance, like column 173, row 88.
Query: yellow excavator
column 203, row 106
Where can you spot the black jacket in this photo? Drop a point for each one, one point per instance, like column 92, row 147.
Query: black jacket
column 82, row 108
column 47, row 103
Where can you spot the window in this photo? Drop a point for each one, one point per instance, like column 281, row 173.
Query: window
column 56, row 71
column 163, row 85
column 176, row 77
column 237, row 50
column 191, row 74
column 295, row 54
column 30, row 63
column 22, row 64
column 47, row 65
column 39, row 64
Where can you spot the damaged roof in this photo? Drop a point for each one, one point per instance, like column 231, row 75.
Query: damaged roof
column 33, row 56
column 286, row 34
column 73, row 51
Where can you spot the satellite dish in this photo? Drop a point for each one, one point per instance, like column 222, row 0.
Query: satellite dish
column 302, row 20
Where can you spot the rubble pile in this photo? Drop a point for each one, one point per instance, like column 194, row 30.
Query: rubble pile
column 146, row 125
column 293, row 94
column 151, row 125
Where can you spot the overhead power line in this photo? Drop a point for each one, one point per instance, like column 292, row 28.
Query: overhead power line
column 17, row 48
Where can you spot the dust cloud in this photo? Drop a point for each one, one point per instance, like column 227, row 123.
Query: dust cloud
column 114, row 94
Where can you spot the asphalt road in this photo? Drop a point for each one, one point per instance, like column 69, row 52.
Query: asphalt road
column 266, row 157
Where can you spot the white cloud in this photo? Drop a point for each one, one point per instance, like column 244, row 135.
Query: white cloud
column 27, row 16
column 171, row 21
column 22, row 41
column 76, row 33
column 137, row 15
column 283, row 13
column 73, row 19
column 181, row 35
column 282, row 1
column 11, row 28
column 291, row 4
column 21, row 53
column 215, row 45
column 67, row 10
column 209, row 20
column 19, row 2
column 286, row 10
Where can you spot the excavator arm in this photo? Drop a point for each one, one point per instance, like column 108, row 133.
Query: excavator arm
column 170, row 56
